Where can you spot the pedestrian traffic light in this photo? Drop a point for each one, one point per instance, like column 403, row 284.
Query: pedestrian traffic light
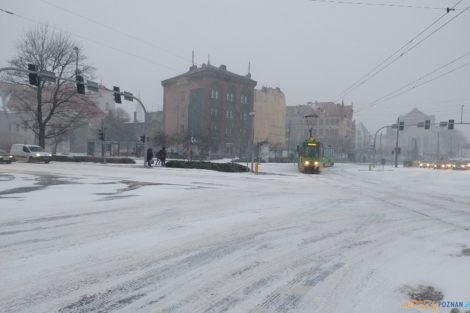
column 117, row 94
column 33, row 77
column 450, row 125
column 402, row 125
column 101, row 134
column 80, row 85
column 142, row 138
column 427, row 124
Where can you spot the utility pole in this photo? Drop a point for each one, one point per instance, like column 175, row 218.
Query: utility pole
column 461, row 114
column 437, row 152
column 396, row 145
column 252, row 114
column 76, row 61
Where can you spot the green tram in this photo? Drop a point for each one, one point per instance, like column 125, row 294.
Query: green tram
column 312, row 157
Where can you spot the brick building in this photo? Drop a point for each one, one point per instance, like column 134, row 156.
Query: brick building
column 211, row 105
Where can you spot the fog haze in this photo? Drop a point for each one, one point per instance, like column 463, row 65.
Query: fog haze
column 311, row 50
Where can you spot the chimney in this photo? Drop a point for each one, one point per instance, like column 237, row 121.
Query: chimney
column 223, row 67
column 192, row 67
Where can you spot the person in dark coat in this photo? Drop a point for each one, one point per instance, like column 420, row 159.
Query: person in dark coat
column 149, row 157
column 163, row 156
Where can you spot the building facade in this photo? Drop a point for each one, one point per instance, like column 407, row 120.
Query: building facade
column 269, row 119
column 363, row 148
column 207, row 110
column 329, row 122
column 417, row 143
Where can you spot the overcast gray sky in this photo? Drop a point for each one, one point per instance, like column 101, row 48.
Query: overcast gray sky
column 311, row 50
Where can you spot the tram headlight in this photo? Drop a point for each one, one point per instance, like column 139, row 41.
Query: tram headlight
column 316, row 163
column 306, row 163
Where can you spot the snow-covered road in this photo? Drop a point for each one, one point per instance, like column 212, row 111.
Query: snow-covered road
column 109, row 238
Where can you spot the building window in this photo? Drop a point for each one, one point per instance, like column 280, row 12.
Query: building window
column 214, row 94
column 230, row 96
column 244, row 99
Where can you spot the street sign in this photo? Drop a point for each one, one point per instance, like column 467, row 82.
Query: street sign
column 443, row 124
column 91, row 85
column 394, row 126
column 47, row 76
column 193, row 140
column 128, row 96
column 420, row 124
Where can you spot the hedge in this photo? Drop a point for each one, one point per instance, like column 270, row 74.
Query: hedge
column 87, row 158
column 221, row 167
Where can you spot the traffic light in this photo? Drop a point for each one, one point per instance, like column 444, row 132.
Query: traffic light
column 427, row 124
column 402, row 125
column 117, row 94
column 33, row 77
column 80, row 85
column 142, row 138
column 101, row 134
column 450, row 125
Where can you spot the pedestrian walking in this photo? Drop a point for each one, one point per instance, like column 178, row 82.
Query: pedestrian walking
column 149, row 157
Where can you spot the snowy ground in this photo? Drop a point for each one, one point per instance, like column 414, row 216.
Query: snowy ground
column 110, row 238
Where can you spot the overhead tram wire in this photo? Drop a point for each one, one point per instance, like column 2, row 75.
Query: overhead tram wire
column 374, row 71
column 410, row 88
column 117, row 31
column 91, row 40
column 420, row 78
column 380, row 4
column 371, row 73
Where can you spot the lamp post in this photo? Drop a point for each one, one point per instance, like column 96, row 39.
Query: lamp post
column 252, row 114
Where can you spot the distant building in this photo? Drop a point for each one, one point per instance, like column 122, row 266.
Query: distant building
column 331, row 123
column 363, row 149
column 437, row 143
column 270, row 116
column 120, row 139
column 212, row 106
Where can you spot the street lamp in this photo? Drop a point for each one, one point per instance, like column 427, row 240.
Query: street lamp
column 252, row 114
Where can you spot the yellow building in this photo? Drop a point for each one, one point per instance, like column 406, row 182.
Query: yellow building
column 270, row 117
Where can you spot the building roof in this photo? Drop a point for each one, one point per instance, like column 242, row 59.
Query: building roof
column 210, row 70
column 327, row 108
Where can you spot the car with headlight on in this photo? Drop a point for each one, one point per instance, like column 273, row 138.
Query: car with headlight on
column 30, row 153
column 426, row 164
column 461, row 165
column 5, row 157
column 442, row 165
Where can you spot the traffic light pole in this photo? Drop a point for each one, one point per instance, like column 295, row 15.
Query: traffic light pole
column 375, row 140
column 396, row 145
column 40, row 74
column 145, row 124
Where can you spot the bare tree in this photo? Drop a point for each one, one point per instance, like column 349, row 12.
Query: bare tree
column 51, row 109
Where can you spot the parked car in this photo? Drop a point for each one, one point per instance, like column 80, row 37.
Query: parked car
column 30, row 153
column 5, row 157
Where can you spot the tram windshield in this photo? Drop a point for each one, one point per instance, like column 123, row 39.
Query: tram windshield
column 312, row 152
